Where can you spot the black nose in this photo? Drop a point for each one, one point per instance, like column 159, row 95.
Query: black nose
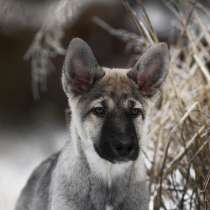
column 123, row 149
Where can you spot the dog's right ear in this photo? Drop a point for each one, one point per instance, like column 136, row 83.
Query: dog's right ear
column 80, row 70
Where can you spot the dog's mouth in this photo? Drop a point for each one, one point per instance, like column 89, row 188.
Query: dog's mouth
column 117, row 156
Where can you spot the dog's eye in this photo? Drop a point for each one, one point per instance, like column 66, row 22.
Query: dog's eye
column 135, row 112
column 99, row 111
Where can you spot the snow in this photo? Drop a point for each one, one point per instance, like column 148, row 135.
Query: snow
column 20, row 152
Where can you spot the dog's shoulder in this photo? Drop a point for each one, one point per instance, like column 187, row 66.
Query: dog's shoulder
column 38, row 184
column 42, row 173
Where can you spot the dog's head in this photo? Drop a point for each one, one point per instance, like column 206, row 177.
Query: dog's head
column 108, row 105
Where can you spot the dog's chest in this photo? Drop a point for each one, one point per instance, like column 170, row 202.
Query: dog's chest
column 108, row 207
column 108, row 182
column 106, row 197
column 109, row 191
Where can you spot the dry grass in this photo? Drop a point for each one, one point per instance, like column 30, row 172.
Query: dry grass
column 179, row 132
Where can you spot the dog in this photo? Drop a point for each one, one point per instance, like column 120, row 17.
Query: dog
column 101, row 165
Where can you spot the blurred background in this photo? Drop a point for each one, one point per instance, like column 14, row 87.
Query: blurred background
column 33, row 127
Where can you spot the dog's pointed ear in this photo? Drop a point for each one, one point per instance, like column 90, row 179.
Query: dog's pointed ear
column 151, row 69
column 80, row 70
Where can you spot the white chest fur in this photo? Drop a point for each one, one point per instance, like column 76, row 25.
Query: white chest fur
column 109, row 207
column 104, row 169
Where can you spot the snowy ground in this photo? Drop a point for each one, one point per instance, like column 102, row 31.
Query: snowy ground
column 20, row 151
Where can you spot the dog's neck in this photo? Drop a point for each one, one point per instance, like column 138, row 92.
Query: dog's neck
column 110, row 180
column 98, row 166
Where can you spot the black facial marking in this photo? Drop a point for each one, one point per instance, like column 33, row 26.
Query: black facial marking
column 118, row 140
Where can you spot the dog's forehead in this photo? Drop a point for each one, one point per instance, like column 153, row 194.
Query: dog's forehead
column 115, row 86
column 116, row 83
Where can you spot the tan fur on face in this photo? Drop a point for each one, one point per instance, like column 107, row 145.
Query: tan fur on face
column 114, row 85
column 116, row 80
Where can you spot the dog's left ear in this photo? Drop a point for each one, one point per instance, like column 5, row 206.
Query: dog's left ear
column 80, row 70
column 151, row 69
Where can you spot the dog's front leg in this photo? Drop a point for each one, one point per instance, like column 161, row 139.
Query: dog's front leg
column 65, row 204
column 72, row 195
column 137, row 198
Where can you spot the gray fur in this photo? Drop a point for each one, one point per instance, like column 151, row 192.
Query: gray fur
column 79, row 177
column 50, row 188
